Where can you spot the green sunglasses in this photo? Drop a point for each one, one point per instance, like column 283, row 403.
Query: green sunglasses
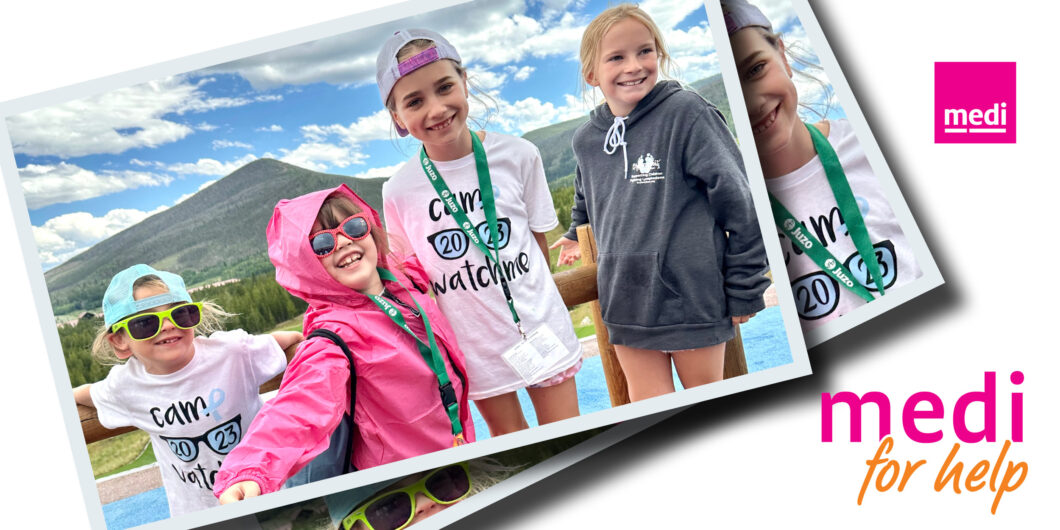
column 146, row 326
column 395, row 509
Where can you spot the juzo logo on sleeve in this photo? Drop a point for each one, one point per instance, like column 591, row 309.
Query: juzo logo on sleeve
column 975, row 103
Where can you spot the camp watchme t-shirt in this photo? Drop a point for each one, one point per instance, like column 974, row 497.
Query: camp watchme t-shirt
column 467, row 285
column 806, row 193
column 195, row 415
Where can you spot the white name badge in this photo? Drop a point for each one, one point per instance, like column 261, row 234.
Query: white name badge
column 534, row 356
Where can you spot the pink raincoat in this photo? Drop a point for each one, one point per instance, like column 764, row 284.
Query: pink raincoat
column 399, row 412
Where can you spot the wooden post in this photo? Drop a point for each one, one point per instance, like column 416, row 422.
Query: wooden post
column 613, row 374
column 735, row 361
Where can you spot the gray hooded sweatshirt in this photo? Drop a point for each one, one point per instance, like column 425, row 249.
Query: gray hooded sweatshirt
column 662, row 187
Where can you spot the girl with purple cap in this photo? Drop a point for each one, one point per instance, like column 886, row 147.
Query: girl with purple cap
column 842, row 244
column 192, row 387
column 473, row 208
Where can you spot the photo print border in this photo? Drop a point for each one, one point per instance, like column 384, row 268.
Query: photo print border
column 930, row 276
column 797, row 368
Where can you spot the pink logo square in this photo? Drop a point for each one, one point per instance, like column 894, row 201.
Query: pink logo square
column 975, row 103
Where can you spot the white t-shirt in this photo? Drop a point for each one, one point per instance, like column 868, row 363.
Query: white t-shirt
column 214, row 398
column 460, row 274
column 806, row 194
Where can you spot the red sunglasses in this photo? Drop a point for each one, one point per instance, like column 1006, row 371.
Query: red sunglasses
column 355, row 227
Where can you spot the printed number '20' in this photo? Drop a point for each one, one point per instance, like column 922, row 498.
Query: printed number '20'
column 816, row 295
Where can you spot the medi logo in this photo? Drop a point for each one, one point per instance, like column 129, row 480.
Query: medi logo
column 1005, row 476
column 975, row 103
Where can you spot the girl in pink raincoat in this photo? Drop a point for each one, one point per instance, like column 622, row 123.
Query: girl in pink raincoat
column 330, row 250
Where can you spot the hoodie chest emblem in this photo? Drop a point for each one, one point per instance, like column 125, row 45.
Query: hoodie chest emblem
column 646, row 170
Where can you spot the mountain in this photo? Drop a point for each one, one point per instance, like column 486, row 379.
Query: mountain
column 218, row 233
column 554, row 141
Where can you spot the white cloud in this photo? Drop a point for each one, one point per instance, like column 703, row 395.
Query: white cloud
column 498, row 33
column 693, row 51
column 146, row 163
column 563, row 39
column 116, row 121
column 669, row 13
column 550, row 9
column 223, row 144
column 377, row 126
column 211, row 167
column 67, row 235
column 318, row 156
column 270, row 128
column 44, row 185
column 521, row 74
column 486, row 80
column 206, row 127
column 531, row 113
column 779, row 12
column 199, row 105
column 379, row 172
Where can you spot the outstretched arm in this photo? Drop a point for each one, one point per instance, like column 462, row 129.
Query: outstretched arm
column 287, row 338
column 292, row 427
column 570, row 251
column 82, row 395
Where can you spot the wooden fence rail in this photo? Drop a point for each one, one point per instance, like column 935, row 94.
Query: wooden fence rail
column 576, row 286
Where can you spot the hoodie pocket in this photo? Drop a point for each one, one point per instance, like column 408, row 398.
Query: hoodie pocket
column 633, row 292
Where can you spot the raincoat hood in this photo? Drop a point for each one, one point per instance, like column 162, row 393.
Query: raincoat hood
column 297, row 268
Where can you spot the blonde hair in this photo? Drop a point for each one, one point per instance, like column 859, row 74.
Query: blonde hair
column 338, row 207
column 212, row 320
column 595, row 31
column 486, row 472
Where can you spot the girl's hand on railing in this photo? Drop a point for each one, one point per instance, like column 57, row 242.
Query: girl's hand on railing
column 569, row 251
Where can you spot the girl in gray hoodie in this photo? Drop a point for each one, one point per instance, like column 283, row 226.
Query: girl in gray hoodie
column 681, row 258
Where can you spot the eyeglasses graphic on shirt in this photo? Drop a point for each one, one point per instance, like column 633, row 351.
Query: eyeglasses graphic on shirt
column 453, row 243
column 220, row 439
column 817, row 294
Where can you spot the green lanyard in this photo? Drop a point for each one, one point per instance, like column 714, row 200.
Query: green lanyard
column 848, row 208
column 430, row 353
column 485, row 186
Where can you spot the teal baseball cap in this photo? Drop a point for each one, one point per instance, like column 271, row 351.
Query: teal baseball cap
column 118, row 301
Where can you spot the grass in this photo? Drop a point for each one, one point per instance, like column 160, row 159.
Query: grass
column 294, row 324
column 120, row 453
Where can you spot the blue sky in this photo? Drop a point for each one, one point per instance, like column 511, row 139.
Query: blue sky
column 92, row 167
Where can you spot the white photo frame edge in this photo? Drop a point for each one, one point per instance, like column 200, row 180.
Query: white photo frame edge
column 797, row 368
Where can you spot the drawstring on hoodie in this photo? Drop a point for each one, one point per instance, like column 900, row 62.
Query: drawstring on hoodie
column 615, row 137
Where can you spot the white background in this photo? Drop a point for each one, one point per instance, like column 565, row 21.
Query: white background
column 753, row 458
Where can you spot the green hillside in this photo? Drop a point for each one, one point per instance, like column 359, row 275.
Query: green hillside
column 554, row 141
column 217, row 233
